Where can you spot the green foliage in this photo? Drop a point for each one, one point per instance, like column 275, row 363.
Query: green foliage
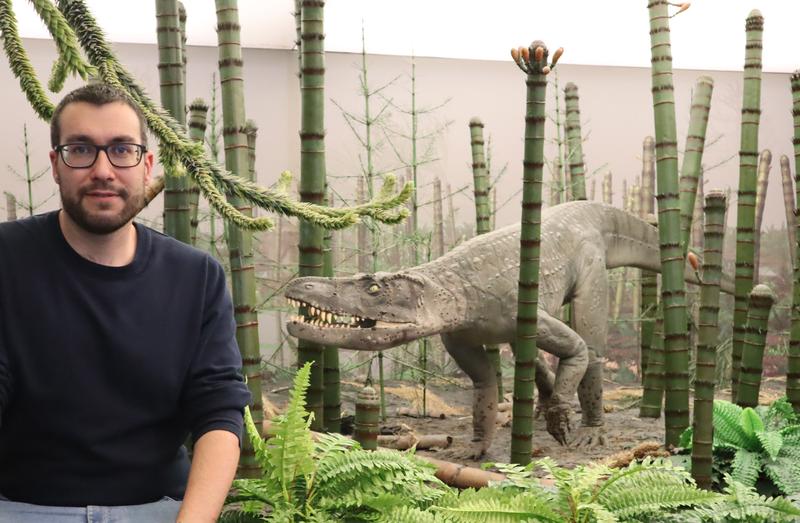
column 765, row 443
column 332, row 479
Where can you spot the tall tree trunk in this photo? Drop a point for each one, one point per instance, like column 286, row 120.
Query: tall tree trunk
column 673, row 293
column 11, row 207
column 438, row 219
column 480, row 182
column 312, row 178
column 534, row 63
column 762, row 182
column 788, row 205
column 451, row 218
column 198, row 111
column 332, row 397
column 705, row 368
column 577, row 169
column 793, row 371
column 173, row 98
column 745, row 214
column 240, row 241
column 761, row 300
column 607, row 192
column 653, row 382
column 647, row 311
column 698, row 221
column 648, row 175
column 693, row 154
column 364, row 260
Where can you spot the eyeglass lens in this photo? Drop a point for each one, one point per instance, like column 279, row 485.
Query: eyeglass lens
column 84, row 155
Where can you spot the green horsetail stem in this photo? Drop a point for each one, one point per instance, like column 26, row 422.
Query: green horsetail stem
column 331, row 378
column 693, row 154
column 788, row 205
column 182, row 22
column 607, row 193
column 761, row 300
column 532, row 61
column 240, row 241
column 648, row 176
column 673, row 292
column 11, row 207
column 480, row 177
column 698, row 225
column 653, row 382
column 173, row 97
column 312, row 177
column 577, row 169
column 367, row 417
column 648, row 306
column 745, row 209
column 198, row 112
column 762, row 183
column 793, row 371
column 705, row 368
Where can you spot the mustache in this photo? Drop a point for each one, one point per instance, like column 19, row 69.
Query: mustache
column 105, row 187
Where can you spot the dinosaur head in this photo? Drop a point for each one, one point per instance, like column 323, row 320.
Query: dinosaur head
column 368, row 311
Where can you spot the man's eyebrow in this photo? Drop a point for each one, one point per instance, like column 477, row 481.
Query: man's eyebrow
column 83, row 138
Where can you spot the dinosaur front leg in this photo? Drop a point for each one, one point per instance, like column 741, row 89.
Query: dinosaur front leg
column 555, row 337
column 474, row 361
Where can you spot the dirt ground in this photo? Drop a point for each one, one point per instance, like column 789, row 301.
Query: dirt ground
column 452, row 403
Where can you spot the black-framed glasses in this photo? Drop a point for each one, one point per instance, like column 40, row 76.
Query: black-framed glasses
column 83, row 155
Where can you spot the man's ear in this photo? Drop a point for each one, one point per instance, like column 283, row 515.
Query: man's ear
column 53, row 163
column 148, row 167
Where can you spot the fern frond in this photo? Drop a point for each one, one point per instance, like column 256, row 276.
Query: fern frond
column 405, row 514
column 784, row 473
column 779, row 414
column 256, row 440
column 595, row 512
column 503, row 506
column 750, row 422
column 290, row 448
column 728, row 431
column 741, row 503
column 237, row 516
column 771, row 442
column 746, row 467
column 634, row 503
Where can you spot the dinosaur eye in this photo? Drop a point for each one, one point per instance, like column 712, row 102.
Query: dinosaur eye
column 374, row 288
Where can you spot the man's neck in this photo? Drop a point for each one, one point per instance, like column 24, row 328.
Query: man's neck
column 116, row 249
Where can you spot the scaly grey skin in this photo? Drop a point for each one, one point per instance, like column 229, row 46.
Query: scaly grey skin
column 469, row 297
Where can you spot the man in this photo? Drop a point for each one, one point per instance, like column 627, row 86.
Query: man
column 116, row 343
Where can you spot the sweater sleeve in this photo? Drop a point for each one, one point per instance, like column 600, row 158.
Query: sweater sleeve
column 5, row 380
column 215, row 394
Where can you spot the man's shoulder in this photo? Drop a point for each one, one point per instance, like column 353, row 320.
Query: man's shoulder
column 25, row 229
column 174, row 251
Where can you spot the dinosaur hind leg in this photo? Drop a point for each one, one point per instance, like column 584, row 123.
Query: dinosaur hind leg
column 474, row 361
column 590, row 307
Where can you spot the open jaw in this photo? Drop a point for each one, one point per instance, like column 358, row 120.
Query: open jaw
column 353, row 331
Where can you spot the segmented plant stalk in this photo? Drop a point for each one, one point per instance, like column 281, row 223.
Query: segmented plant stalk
column 29, row 178
column 240, row 242
column 533, row 61
column 762, row 183
column 705, row 368
column 621, row 273
column 332, row 395
column 653, row 383
column 367, row 416
column 362, row 241
column 793, row 371
column 480, row 177
column 761, row 300
column 577, row 169
column 635, row 275
column 693, row 154
column 648, row 175
column 607, row 192
column 213, row 151
column 438, row 219
column 173, row 98
column 11, row 207
column 182, row 21
column 558, row 189
column 592, row 188
column 745, row 209
column 198, row 111
column 788, row 204
column 451, row 218
column 698, row 221
column 312, row 177
column 647, row 308
column 673, row 294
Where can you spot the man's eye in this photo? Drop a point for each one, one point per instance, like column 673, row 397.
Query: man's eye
column 121, row 149
column 79, row 149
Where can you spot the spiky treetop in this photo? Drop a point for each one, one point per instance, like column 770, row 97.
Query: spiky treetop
column 72, row 23
column 537, row 50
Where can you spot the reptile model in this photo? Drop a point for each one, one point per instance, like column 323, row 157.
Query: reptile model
column 469, row 297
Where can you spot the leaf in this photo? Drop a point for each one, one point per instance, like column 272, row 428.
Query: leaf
column 771, row 442
column 728, row 431
column 751, row 422
column 746, row 467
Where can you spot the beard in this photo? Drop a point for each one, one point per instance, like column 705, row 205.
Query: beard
column 101, row 223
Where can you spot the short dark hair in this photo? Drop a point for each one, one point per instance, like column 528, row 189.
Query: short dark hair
column 95, row 93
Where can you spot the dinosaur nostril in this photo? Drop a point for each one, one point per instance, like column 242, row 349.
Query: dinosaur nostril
column 309, row 285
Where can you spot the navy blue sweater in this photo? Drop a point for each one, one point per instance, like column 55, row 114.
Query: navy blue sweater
column 105, row 371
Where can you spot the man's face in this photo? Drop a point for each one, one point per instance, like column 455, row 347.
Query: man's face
column 102, row 198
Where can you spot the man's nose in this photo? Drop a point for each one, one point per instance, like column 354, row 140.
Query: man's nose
column 102, row 167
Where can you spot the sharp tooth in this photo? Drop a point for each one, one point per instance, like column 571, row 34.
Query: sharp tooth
column 329, row 317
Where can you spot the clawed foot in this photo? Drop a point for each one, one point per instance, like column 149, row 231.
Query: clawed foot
column 473, row 452
column 542, row 403
column 589, row 437
column 558, row 425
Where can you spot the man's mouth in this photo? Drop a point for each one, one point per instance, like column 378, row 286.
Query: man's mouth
column 102, row 194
